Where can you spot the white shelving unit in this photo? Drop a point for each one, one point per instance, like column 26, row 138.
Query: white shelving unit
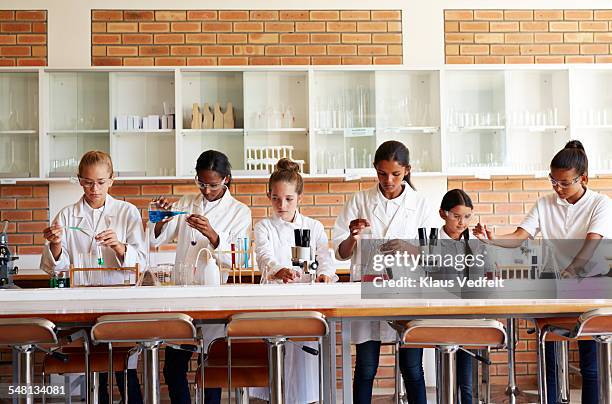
column 19, row 123
column 457, row 120
column 142, row 152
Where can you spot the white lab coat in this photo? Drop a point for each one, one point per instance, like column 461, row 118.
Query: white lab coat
column 414, row 212
column 229, row 218
column 274, row 238
column 120, row 216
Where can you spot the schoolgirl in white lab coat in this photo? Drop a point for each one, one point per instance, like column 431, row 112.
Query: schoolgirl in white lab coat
column 573, row 212
column 216, row 219
column 97, row 219
column 274, row 237
column 390, row 210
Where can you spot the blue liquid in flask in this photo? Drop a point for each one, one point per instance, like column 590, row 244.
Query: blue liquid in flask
column 159, row 215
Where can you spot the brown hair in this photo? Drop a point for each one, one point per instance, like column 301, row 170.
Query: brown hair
column 94, row 157
column 287, row 171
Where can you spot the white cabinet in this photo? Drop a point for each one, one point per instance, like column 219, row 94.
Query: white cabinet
column 592, row 115
column 140, row 149
column 275, row 118
column 458, row 120
column 475, row 132
column 537, row 117
column 343, row 120
column 19, row 124
column 206, row 88
column 77, row 119
column 408, row 110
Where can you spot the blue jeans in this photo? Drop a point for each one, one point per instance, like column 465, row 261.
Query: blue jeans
column 464, row 376
column 366, row 364
column 176, row 364
column 134, row 394
column 588, row 370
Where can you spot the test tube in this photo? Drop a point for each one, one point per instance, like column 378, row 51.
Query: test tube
column 99, row 255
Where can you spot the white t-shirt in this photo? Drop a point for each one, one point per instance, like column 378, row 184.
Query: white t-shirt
column 558, row 220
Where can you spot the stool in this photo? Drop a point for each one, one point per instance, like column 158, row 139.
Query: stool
column 149, row 331
column 544, row 333
column 446, row 336
column 249, row 367
column 594, row 324
column 276, row 328
column 25, row 335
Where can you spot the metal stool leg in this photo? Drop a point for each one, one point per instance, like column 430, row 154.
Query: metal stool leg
column 25, row 369
column 151, row 372
column 541, row 338
column 562, row 366
column 447, row 375
column 604, row 363
column 276, row 360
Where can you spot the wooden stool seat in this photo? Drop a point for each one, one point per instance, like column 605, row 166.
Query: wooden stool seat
column 27, row 331
column 277, row 324
column 143, row 327
column 472, row 333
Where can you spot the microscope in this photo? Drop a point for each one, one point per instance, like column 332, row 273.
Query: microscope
column 301, row 257
column 7, row 269
column 428, row 246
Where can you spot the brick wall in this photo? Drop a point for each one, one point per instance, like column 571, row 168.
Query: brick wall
column 23, row 37
column 528, row 36
column 245, row 37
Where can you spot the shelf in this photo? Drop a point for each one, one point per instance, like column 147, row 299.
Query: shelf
column 539, row 128
column 474, row 128
column 289, row 130
column 205, row 131
column 76, row 131
column 134, row 132
column 607, row 127
column 18, row 132
column 400, row 129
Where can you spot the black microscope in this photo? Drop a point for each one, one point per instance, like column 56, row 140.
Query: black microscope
column 7, row 267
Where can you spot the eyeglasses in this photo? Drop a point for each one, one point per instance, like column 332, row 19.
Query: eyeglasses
column 454, row 216
column 562, row 184
column 87, row 183
column 212, row 187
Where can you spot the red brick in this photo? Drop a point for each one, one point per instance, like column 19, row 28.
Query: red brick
column 264, row 60
column 18, row 191
column 16, row 215
column 453, row 26
column 170, row 61
column 280, row 50
column 155, row 50
column 125, row 190
column 394, row 26
column 139, row 61
column 169, row 38
column 200, row 38
column 294, row 38
column 31, row 15
column 7, row 15
column 470, row 26
column 98, row 27
column 578, row 14
column 357, row 38
column 251, row 26
column 562, row 26
column 489, row 15
column 249, row 50
column 233, row 61
column 39, row 191
column 341, row 49
column 154, row 27
column 122, row 27
column 185, row 50
column 216, row 50
column 329, row 200
column 315, row 211
column 355, row 15
column 98, row 50
column 39, row 27
column 202, row 15
column 137, row 39
column 477, row 186
column 32, row 62
column 508, row 208
column 295, row 60
column 343, row 26
column 326, row 60
column 387, row 15
column 201, row 61
column 8, row 203
column 310, row 26
column 279, row 26
column 263, row 15
column 263, row 38
column 459, row 38
column 174, row 15
column 371, row 26
column 464, row 15
column 386, row 38
column 122, row 51
column 518, row 15
column 216, row 27
column 548, row 14
column 27, row 250
column 460, row 59
column 234, row 15
column 8, row 39
column 14, row 27
column 106, row 15
column 344, row 187
column 138, row 15
column 324, row 38
column 103, row 39
column 293, row 15
column 371, row 50
column 231, row 38
column 185, row 26
column 324, row 15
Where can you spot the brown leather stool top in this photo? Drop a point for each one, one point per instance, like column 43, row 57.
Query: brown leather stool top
column 27, row 331
column 143, row 327
column 278, row 324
